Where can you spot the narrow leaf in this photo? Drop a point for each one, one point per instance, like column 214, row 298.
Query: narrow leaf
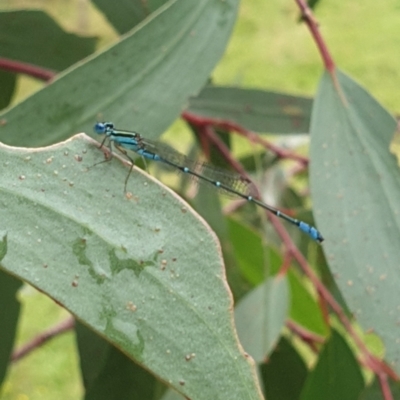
column 355, row 184
column 140, row 83
column 31, row 36
column 109, row 374
column 7, row 85
column 129, row 13
column 337, row 374
column 258, row 110
column 9, row 316
column 284, row 373
column 260, row 316
column 304, row 309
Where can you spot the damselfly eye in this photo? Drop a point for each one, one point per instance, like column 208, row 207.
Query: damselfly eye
column 100, row 128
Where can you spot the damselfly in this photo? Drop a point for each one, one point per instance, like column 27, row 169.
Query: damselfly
column 221, row 179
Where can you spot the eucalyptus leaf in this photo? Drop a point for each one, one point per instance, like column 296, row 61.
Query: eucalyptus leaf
column 33, row 37
column 9, row 314
column 284, row 365
column 109, row 374
column 260, row 316
column 355, row 184
column 7, row 85
column 128, row 13
column 337, row 374
column 142, row 269
column 141, row 83
column 258, row 110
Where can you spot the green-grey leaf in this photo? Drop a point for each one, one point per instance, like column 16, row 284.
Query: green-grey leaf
column 3, row 246
column 258, row 110
column 141, row 83
column 284, row 365
column 355, row 184
column 9, row 314
column 260, row 316
column 7, row 85
column 128, row 13
column 109, row 374
column 144, row 271
column 251, row 253
column 33, row 37
column 337, row 374
column 171, row 394
column 304, row 308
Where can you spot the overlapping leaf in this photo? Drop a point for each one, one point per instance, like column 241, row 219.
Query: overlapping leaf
column 142, row 82
column 356, row 189
column 31, row 36
column 257, row 110
column 143, row 271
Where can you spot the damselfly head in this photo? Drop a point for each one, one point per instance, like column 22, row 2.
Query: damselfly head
column 102, row 128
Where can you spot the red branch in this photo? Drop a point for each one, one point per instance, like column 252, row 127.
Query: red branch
column 42, row 338
column 27, row 69
column 309, row 19
column 383, row 381
column 306, row 336
column 286, row 264
column 208, row 132
column 200, row 121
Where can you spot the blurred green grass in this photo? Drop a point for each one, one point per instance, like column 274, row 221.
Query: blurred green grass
column 51, row 371
column 269, row 49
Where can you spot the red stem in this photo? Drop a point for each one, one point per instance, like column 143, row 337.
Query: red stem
column 383, row 381
column 42, row 338
column 209, row 133
column 200, row 121
column 305, row 335
column 309, row 19
column 27, row 69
